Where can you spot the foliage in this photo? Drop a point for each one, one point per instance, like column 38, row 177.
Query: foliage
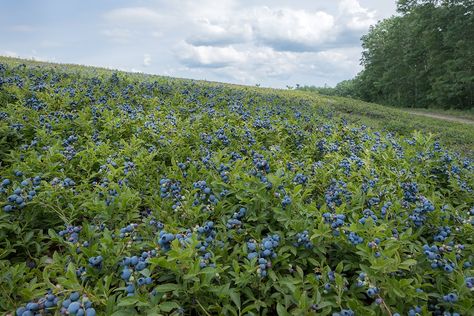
column 422, row 58
column 132, row 194
column 344, row 88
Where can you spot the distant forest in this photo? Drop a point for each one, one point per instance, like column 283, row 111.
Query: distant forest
column 423, row 57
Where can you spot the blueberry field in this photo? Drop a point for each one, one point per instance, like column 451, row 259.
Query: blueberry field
column 129, row 194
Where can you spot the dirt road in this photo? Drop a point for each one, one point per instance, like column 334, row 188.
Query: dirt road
column 443, row 117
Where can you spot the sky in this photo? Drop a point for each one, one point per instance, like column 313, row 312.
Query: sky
column 272, row 43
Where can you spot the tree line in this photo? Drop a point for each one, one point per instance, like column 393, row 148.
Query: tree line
column 422, row 57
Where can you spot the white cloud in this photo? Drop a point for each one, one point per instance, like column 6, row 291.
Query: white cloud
column 356, row 17
column 292, row 30
column 209, row 56
column 218, row 33
column 233, row 41
column 146, row 60
column 284, row 29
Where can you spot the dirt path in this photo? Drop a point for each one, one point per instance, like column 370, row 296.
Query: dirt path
column 443, row 117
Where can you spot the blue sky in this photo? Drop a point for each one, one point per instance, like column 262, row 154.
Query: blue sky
column 273, row 43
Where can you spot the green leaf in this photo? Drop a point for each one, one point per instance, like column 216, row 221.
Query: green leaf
column 407, row 264
column 281, row 310
column 167, row 287
column 235, row 297
column 168, row 306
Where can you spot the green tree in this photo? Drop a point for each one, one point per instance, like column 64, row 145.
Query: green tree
column 422, row 58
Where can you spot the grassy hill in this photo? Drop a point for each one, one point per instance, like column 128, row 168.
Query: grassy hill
column 458, row 136
column 133, row 194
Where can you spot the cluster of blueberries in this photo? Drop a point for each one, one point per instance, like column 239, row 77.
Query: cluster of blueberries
column 344, row 312
column 206, row 234
column 410, row 191
column 354, row 238
column 303, row 240
column 267, row 250
column 345, row 165
column 262, row 168
column 20, row 195
column 286, row 201
column 171, row 189
column 110, row 197
column 236, row 221
column 128, row 166
column 154, row 223
column 71, row 233
column 434, row 255
column 300, row 179
column 40, row 306
column 361, row 279
column 204, row 194
column 35, row 104
column 384, row 209
column 127, row 230
column 336, row 221
column 372, row 291
column 443, row 233
column 418, row 215
column 331, row 276
column 224, row 172
column 336, row 193
column 136, row 263
column 66, row 183
column 469, row 282
column 220, row 134
column 260, row 163
column 96, row 262
column 165, row 239
column 75, row 306
column 69, row 152
column 367, row 213
column 450, row 298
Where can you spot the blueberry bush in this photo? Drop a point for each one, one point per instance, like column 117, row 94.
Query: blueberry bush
column 127, row 194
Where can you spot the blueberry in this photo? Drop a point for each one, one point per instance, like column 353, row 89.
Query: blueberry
column 32, row 306
column 74, row 307
column 90, row 312
column 74, row 296
column 49, row 304
column 130, row 288
column 126, row 273
column 268, row 245
column 134, row 260
column 20, row 310
column 252, row 255
column 140, row 266
column 371, row 291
